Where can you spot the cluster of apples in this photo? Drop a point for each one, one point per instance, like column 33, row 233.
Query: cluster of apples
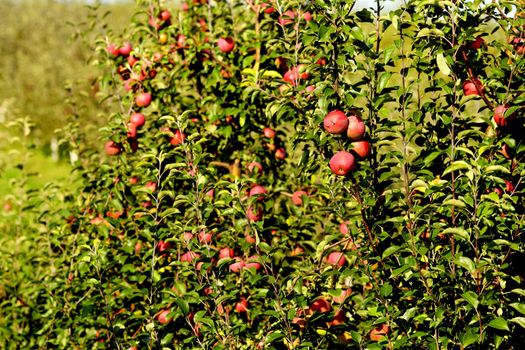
column 336, row 122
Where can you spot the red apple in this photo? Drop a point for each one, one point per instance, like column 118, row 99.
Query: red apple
column 269, row 133
column 165, row 15
column 143, row 99
column 258, row 191
column 113, row 50
column 499, row 116
column 336, row 258
column 336, row 122
column 356, row 128
column 342, row 163
column 342, row 297
column 287, row 18
column 469, row 87
column 506, row 151
column 379, row 333
column 112, row 148
column 280, row 153
column 225, row 253
column 252, row 263
column 125, row 50
column 297, row 197
column 205, row 237
column 321, row 305
column 339, row 319
column 267, row 8
column 254, row 215
column 137, row 119
column 151, row 186
column 253, row 165
column 498, row 191
column 476, row 44
column 163, row 318
column 241, row 306
column 237, row 266
column 307, row 16
column 163, row 247
column 187, row 236
column 361, row 148
column 226, row 45
column 132, row 130
column 343, row 228
column 189, row 256
column 509, row 186
column 178, row 138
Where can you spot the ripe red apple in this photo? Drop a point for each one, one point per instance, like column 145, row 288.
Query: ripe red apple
column 356, row 128
column 226, row 45
column 132, row 130
column 178, row 138
column 339, row 319
column 469, row 87
column 336, row 122
column 307, row 16
column 476, row 44
column 342, row 297
column 379, row 333
column 137, row 119
column 498, row 191
column 143, row 99
column 165, row 15
column 258, row 191
column 519, row 45
column 297, row 197
column 267, row 8
column 138, row 247
column 254, row 215
column 241, row 306
column 112, row 148
column 151, row 186
column 280, row 153
column 163, row 318
column 509, row 186
column 506, row 151
column 336, row 258
column 237, row 266
column 163, row 247
column 187, row 236
column 251, row 167
column 113, row 50
column 342, row 163
column 287, row 18
column 361, row 148
column 499, row 116
column 125, row 50
column 252, row 263
column 269, row 132
column 205, row 237
column 320, row 305
column 343, row 228
column 189, row 256
column 133, row 180
column 225, row 253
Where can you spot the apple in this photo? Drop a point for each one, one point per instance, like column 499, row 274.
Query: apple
column 205, row 237
column 342, row 163
column 356, row 128
column 113, row 50
column 226, row 253
column 509, row 186
column 254, row 215
column 294, row 74
column 379, row 333
column 339, row 319
column 280, row 153
column 165, row 15
column 112, row 148
column 137, row 119
column 226, row 45
column 163, row 247
column 157, row 56
column 163, row 317
column 498, row 191
column 132, row 130
column 252, row 263
column 143, row 99
column 267, row 8
column 258, row 191
column 342, row 297
column 151, row 186
column 241, row 306
column 187, row 236
column 255, row 165
column 310, row 88
column 469, row 87
column 519, row 45
column 184, row 6
column 297, row 197
column 476, row 44
column 181, row 41
column 336, row 258
column 210, row 193
column 287, row 18
column 307, row 16
column 361, row 148
column 320, row 305
column 506, row 151
column 343, row 228
column 132, row 60
column 499, row 116
column 125, row 50
column 133, row 180
column 237, row 266
column 189, row 256
column 178, row 138
column 335, row 122
column 269, row 132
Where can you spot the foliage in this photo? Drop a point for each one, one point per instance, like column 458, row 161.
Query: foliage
column 419, row 246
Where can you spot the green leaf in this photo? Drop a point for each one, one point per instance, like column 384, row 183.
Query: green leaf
column 457, row 232
column 471, row 298
column 499, row 323
column 442, row 64
column 457, row 165
column 390, row 250
column 465, row 262
column 519, row 320
column 494, row 168
column 519, row 307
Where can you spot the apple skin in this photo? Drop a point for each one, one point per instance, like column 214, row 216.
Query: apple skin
column 163, row 247
column 258, row 191
column 476, row 44
column 137, row 119
column 506, row 151
column 178, row 138
column 165, row 15
column 163, row 318
column 509, row 186
column 307, row 16
column 113, row 50
column 379, row 333
column 112, row 148
column 499, row 116
column 341, row 298
column 143, row 99
column 205, row 237
column 237, row 266
column 336, row 258
column 336, row 122
column 189, row 256
column 132, row 130
column 251, row 167
column 356, row 128
column 361, row 148
column 469, row 87
column 280, row 153
column 254, row 215
column 226, row 253
column 252, row 263
column 342, row 163
column 226, row 45
column 267, row 8
column 297, row 197
column 343, row 228
column 269, row 133
column 125, row 50
column 339, row 319
column 241, row 306
column 320, row 305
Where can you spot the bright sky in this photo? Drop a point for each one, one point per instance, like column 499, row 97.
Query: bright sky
column 388, row 5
